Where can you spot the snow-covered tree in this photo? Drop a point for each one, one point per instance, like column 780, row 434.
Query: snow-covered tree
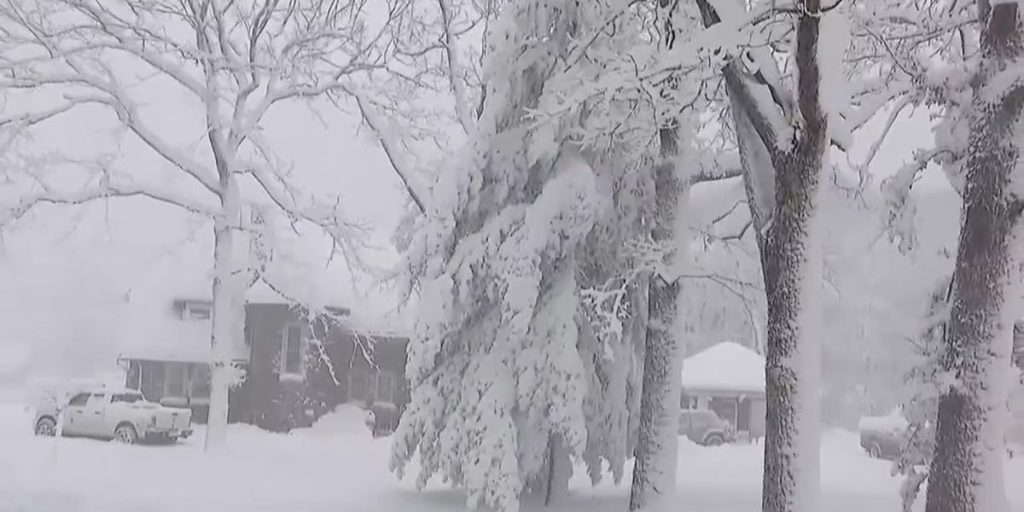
column 654, row 470
column 497, row 382
column 967, row 470
column 784, row 138
column 526, row 352
column 234, row 62
column 970, row 79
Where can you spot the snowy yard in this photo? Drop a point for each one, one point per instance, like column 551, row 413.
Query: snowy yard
column 314, row 471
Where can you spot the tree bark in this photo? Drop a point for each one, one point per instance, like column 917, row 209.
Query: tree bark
column 967, row 470
column 654, row 470
column 792, row 268
column 783, row 185
column 228, row 315
column 559, row 471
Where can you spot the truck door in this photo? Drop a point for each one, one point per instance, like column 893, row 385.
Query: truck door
column 95, row 422
column 74, row 417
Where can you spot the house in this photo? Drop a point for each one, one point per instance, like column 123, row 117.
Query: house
column 727, row 378
column 297, row 366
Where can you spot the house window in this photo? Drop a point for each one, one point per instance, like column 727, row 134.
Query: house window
column 197, row 311
column 291, row 352
column 369, row 386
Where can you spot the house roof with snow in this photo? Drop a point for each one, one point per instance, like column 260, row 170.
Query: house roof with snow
column 726, row 367
column 166, row 335
column 167, row 339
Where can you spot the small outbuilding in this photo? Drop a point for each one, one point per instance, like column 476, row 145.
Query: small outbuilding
column 727, row 378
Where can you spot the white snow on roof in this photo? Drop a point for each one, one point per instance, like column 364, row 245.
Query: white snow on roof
column 171, row 339
column 109, row 389
column 727, row 366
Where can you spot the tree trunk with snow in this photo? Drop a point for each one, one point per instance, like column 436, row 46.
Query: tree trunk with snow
column 655, row 467
column 967, row 469
column 792, row 266
column 792, row 274
column 220, row 371
column 228, row 315
column 782, row 168
column 654, row 471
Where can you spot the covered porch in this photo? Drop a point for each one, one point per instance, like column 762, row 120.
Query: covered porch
column 169, row 362
column 183, row 384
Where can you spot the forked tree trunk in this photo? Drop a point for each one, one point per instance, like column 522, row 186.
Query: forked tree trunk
column 654, row 470
column 783, row 186
column 967, row 468
column 792, row 267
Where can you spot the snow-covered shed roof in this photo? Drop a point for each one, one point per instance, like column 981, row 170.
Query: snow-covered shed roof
column 725, row 367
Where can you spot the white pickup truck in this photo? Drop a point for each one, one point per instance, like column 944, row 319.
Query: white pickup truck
column 120, row 414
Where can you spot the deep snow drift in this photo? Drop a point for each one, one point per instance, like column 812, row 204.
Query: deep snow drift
column 341, row 469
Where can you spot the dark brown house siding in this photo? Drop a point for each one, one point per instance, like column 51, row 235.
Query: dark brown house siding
column 290, row 385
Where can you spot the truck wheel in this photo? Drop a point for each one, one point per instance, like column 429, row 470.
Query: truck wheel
column 714, row 440
column 875, row 450
column 46, row 427
column 126, row 434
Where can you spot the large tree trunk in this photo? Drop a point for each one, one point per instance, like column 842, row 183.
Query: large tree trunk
column 967, row 469
column 782, row 173
column 792, row 266
column 551, row 483
column 656, row 454
column 792, row 275
column 228, row 316
column 783, row 185
column 654, row 470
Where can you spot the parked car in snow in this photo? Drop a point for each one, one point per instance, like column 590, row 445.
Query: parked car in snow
column 882, row 436
column 704, row 427
column 120, row 414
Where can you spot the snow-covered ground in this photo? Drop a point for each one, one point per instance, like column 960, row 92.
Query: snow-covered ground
column 323, row 469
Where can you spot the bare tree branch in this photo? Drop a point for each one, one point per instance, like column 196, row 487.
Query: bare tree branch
column 458, row 88
column 391, row 149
